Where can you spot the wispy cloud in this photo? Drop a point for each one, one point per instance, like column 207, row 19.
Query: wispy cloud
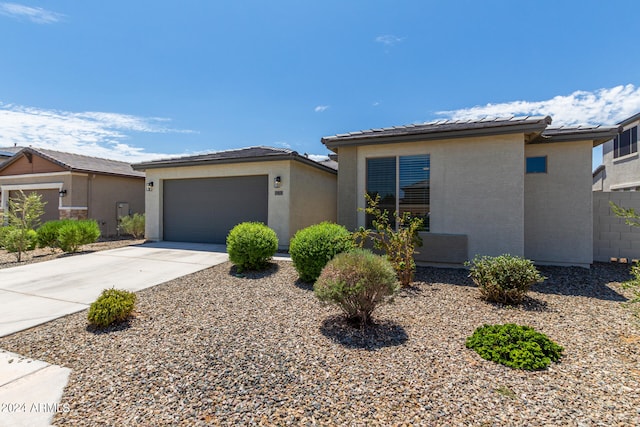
column 389, row 40
column 33, row 14
column 321, row 108
column 603, row 106
column 93, row 133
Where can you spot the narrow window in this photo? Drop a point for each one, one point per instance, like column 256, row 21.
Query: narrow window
column 537, row 164
column 626, row 143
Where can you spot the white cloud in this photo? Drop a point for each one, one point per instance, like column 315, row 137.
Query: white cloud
column 389, row 40
column 318, row 157
column 321, row 108
column 600, row 107
column 91, row 133
column 33, row 14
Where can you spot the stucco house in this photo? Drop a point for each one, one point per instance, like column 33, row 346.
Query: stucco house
column 620, row 169
column 485, row 187
column 73, row 185
column 200, row 198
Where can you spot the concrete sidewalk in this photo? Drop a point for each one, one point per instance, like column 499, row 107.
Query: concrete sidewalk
column 33, row 294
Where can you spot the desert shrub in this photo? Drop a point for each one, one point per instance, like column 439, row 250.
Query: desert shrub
column 113, row 305
column 396, row 236
column 357, row 281
column 251, row 245
column 48, row 233
column 515, row 346
column 133, row 224
column 313, row 247
column 19, row 240
column 505, row 279
column 4, row 230
column 73, row 234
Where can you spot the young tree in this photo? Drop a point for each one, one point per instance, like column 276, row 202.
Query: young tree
column 399, row 245
column 23, row 217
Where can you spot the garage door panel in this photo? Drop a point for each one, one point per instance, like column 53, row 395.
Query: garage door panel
column 205, row 209
column 51, row 199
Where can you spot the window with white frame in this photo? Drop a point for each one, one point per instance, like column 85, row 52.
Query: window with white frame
column 403, row 184
column 626, row 143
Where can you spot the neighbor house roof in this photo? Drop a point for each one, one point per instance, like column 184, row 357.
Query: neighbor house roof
column 535, row 128
column 241, row 155
column 630, row 120
column 74, row 162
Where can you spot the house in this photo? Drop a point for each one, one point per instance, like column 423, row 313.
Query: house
column 487, row 187
column 200, row 198
column 620, row 169
column 73, row 185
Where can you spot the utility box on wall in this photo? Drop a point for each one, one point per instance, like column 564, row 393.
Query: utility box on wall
column 122, row 209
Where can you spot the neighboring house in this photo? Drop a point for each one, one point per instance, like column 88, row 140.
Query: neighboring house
column 5, row 155
column 200, row 198
column 73, row 186
column 487, row 187
column 620, row 169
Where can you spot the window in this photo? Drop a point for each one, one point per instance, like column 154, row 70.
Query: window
column 626, row 143
column 403, row 184
column 537, row 164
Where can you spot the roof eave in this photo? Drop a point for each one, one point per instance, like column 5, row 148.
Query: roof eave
column 504, row 129
column 597, row 136
column 175, row 163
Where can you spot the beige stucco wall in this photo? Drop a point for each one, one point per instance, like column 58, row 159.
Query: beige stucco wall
column 477, row 188
column 348, row 195
column 278, row 214
column 558, row 205
column 313, row 196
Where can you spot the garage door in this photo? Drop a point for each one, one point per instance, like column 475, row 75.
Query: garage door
column 50, row 197
column 204, row 210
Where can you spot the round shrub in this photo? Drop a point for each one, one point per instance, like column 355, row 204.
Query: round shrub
column 18, row 240
column 313, row 247
column 516, row 346
column 113, row 305
column 503, row 279
column 251, row 245
column 48, row 233
column 357, row 282
column 74, row 233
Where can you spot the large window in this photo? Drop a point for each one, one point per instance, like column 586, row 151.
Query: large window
column 626, row 142
column 403, row 184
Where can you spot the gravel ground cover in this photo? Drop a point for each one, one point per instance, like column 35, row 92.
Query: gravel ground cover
column 219, row 348
column 8, row 260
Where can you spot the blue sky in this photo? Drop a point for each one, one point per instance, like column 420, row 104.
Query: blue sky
column 137, row 80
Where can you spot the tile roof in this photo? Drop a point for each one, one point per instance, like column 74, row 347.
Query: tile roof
column 78, row 162
column 240, row 155
column 444, row 129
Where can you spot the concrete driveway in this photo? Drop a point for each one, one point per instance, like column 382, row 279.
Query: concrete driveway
column 37, row 293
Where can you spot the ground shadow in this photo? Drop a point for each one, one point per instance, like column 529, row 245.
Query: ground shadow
column 305, row 286
column 528, row 304
column 115, row 327
column 271, row 269
column 372, row 337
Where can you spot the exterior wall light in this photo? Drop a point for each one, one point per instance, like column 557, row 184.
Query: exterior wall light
column 62, row 193
column 150, row 186
column 277, row 182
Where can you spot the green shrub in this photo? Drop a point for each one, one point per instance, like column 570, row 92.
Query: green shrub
column 516, row 346
column 133, row 225
column 18, row 240
column 113, row 305
column 4, row 230
column 48, row 233
column 357, row 282
column 313, row 247
column 504, row 279
column 251, row 245
column 73, row 234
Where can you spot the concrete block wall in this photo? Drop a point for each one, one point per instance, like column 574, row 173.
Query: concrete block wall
column 612, row 238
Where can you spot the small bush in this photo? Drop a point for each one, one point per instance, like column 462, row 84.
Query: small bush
column 48, row 233
column 113, row 305
column 313, row 247
column 133, row 225
column 18, row 240
column 516, row 346
column 251, row 245
column 4, row 230
column 505, row 279
column 73, row 234
column 357, row 282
